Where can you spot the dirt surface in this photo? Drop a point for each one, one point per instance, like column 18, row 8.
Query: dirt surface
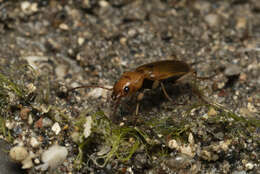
column 71, row 43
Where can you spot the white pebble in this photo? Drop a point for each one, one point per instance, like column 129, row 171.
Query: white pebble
column 9, row 124
column 34, row 142
column 27, row 163
column 251, row 107
column 64, row 26
column 29, row 8
column 191, row 139
column 25, row 5
column 103, row 4
column 31, row 87
column 56, row 128
column 173, row 144
column 30, row 119
column 36, row 161
column 81, row 40
column 188, row 150
column 212, row 20
column 249, row 166
column 61, row 71
column 53, row 157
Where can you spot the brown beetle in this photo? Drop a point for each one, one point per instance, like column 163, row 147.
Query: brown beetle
column 148, row 76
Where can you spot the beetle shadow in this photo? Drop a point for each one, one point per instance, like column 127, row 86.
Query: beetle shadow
column 154, row 98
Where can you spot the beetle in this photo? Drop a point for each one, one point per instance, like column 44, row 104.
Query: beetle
column 151, row 76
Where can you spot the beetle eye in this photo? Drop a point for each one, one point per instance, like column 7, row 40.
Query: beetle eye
column 126, row 89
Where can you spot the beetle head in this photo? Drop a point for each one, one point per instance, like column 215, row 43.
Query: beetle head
column 129, row 83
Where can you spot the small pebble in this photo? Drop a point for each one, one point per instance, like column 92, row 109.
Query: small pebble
column 98, row 92
column 56, row 128
column 75, row 136
column 64, row 26
column 191, row 139
column 38, row 123
column 212, row 112
column 24, row 113
column 34, row 142
column 30, row 119
column 36, row 161
column 95, row 93
column 131, row 32
column 220, row 85
column 18, row 153
column 179, row 162
column 61, row 71
column 53, row 157
column 46, row 122
column 249, row 166
column 81, row 40
column 9, row 124
column 232, row 70
column 188, row 150
column 27, row 163
column 123, row 40
column 241, row 23
column 103, row 3
column 203, row 6
column 206, row 155
column 31, row 88
column 224, row 145
column 173, row 144
column 29, row 8
column 251, row 107
column 212, row 20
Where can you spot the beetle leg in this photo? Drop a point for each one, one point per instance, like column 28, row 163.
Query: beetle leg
column 165, row 93
column 139, row 98
column 137, row 108
column 184, row 77
column 168, row 97
column 156, row 83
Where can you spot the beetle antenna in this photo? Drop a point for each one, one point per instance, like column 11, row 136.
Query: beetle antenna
column 89, row 86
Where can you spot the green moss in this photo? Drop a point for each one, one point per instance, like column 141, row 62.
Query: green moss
column 2, row 126
column 226, row 113
column 122, row 142
column 8, row 85
column 6, row 133
column 166, row 127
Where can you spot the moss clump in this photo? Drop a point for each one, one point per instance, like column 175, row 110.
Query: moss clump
column 120, row 142
column 7, row 85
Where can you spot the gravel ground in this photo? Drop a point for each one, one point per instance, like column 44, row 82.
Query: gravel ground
column 71, row 43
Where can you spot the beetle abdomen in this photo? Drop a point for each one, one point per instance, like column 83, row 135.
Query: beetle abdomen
column 164, row 69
